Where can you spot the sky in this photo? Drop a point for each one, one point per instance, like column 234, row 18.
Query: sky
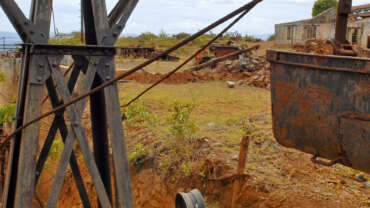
column 174, row 16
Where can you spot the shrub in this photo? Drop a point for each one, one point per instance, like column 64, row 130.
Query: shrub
column 271, row 38
column 138, row 156
column 181, row 125
column 322, row 5
column 7, row 113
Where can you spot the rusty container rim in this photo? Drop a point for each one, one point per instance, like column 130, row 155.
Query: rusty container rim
column 358, row 64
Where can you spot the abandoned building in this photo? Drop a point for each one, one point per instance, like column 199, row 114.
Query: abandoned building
column 323, row 27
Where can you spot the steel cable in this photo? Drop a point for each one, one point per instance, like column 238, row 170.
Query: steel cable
column 244, row 8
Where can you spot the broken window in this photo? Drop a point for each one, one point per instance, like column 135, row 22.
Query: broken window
column 356, row 32
column 290, row 33
column 310, row 32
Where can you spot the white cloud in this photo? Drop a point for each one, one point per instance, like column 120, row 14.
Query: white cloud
column 185, row 15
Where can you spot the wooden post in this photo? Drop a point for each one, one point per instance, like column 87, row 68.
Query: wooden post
column 240, row 170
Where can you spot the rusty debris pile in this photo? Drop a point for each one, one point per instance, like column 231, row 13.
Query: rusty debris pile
column 255, row 70
column 252, row 71
column 315, row 47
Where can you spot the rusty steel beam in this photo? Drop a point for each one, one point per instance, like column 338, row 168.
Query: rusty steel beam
column 343, row 12
column 240, row 170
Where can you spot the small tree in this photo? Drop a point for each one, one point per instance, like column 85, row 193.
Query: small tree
column 322, row 5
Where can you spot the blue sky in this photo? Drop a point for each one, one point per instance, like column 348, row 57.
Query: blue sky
column 173, row 16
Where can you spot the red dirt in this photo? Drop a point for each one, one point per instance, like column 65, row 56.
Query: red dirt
column 257, row 79
column 153, row 190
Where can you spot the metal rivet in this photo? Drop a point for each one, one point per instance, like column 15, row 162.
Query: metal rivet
column 39, row 78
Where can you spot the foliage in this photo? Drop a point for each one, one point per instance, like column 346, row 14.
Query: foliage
column 71, row 39
column 7, row 113
column 136, row 113
column 322, row 5
column 2, row 77
column 186, row 169
column 252, row 39
column 138, row 155
column 271, row 38
column 56, row 149
column 163, row 34
column 181, row 125
column 182, row 35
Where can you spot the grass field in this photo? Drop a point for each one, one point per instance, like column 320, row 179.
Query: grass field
column 279, row 177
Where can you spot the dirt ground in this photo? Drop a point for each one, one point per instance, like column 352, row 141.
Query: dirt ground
column 160, row 166
column 202, row 152
column 277, row 176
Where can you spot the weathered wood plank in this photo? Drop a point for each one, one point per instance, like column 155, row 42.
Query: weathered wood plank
column 120, row 160
column 12, row 169
column 41, row 15
column 100, row 136
column 60, row 123
column 30, row 137
column 79, row 133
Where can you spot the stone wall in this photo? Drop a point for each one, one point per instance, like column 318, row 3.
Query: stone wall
column 325, row 29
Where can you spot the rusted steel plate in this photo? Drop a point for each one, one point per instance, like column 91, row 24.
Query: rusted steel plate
column 321, row 105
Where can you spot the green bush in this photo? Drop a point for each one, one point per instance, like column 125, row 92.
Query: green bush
column 7, row 113
column 181, row 35
column 74, row 39
column 138, row 156
column 271, row 38
column 2, row 77
column 181, row 124
column 136, row 114
column 323, row 5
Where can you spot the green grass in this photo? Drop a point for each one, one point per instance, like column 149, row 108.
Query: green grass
column 221, row 114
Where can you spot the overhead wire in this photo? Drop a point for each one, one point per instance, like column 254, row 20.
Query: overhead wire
column 247, row 7
column 188, row 60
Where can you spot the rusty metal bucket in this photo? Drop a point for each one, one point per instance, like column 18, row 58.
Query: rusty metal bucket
column 321, row 106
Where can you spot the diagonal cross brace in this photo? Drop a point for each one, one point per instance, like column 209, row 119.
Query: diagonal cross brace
column 59, row 122
column 26, row 29
column 75, row 131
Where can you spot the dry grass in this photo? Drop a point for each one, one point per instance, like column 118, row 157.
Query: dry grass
column 223, row 116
